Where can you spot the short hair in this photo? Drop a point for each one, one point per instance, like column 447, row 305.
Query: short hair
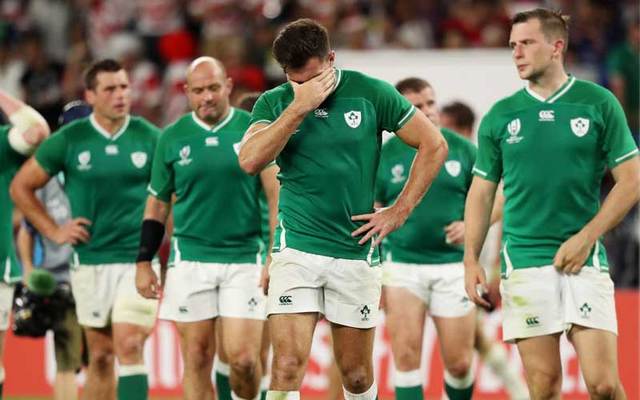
column 552, row 23
column 412, row 84
column 300, row 41
column 248, row 100
column 463, row 116
column 91, row 75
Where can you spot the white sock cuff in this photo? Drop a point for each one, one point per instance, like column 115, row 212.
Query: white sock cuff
column 496, row 353
column 370, row 394
column 281, row 395
column 264, row 382
column 408, row 378
column 221, row 367
column 234, row 396
column 129, row 370
column 2, row 376
column 459, row 383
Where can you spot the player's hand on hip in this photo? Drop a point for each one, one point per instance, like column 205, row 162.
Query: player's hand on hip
column 379, row 224
column 573, row 253
column 72, row 232
column 309, row 95
column 475, row 283
column 147, row 283
column 454, row 232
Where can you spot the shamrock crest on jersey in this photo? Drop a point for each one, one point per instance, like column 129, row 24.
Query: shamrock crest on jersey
column 184, row 155
column 453, row 167
column 84, row 160
column 514, row 128
column 580, row 126
column 139, row 158
column 353, row 118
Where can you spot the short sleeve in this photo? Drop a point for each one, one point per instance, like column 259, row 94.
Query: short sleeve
column 392, row 109
column 262, row 112
column 488, row 163
column 618, row 143
column 162, row 177
column 472, row 153
column 51, row 154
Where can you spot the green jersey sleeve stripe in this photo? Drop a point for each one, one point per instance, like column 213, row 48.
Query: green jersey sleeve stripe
column 624, row 157
column 406, row 117
column 150, row 190
column 480, row 172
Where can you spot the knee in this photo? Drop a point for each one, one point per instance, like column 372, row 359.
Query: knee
column 198, row 356
column 101, row 360
column 545, row 386
column 244, row 364
column 287, row 368
column 603, row 389
column 131, row 346
column 407, row 358
column 459, row 368
column 357, row 379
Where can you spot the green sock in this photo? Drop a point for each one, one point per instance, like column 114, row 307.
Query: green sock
column 1, row 387
column 133, row 387
column 263, row 394
column 223, row 388
column 409, row 393
column 458, row 388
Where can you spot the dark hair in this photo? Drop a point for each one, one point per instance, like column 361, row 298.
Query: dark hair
column 248, row 100
column 412, row 84
column 300, row 41
column 553, row 23
column 91, row 75
column 461, row 113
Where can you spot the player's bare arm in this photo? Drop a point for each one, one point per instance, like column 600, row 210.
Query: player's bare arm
column 477, row 216
column 30, row 178
column 262, row 143
column 156, row 213
column 271, row 186
column 421, row 134
column 573, row 253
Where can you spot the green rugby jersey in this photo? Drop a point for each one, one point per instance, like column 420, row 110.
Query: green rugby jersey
column 552, row 155
column 10, row 161
column 328, row 167
column 264, row 227
column 216, row 213
column 421, row 240
column 105, row 180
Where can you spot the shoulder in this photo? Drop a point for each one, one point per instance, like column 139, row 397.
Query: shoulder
column 354, row 81
column 182, row 124
column 455, row 139
column 144, row 126
column 241, row 115
column 277, row 93
column 593, row 92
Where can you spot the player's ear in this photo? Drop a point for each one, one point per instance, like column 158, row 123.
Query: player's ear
column 229, row 84
column 558, row 48
column 331, row 57
column 89, row 96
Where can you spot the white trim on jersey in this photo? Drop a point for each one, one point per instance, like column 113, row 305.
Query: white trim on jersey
column 176, row 249
column 283, row 238
column 7, row 270
column 475, row 169
column 150, row 190
column 572, row 80
column 507, row 260
column 596, row 258
column 407, row 115
column 213, row 128
column 261, row 121
column 632, row 152
column 104, row 132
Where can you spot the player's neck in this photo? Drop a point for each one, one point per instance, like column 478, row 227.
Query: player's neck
column 548, row 83
column 212, row 124
column 112, row 126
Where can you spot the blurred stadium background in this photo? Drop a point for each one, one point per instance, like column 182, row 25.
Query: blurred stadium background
column 460, row 46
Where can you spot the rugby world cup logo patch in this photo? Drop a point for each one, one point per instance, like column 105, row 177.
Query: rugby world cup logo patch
column 139, row 158
column 580, row 126
column 185, row 152
column 453, row 167
column 84, row 160
column 353, row 118
column 514, row 128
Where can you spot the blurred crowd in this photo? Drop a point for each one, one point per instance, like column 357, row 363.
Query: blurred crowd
column 46, row 44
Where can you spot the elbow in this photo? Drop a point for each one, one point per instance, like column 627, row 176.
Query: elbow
column 442, row 150
column 248, row 165
column 14, row 191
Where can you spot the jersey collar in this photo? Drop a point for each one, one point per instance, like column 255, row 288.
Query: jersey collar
column 216, row 127
column 104, row 132
column 558, row 93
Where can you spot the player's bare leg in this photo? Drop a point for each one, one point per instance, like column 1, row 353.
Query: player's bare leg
column 128, row 342
column 101, row 383
column 241, row 340
column 405, row 317
column 291, row 337
column 456, row 346
column 543, row 369
column 198, row 345
column 265, row 350
column 598, row 356
column 221, row 367
column 353, row 349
